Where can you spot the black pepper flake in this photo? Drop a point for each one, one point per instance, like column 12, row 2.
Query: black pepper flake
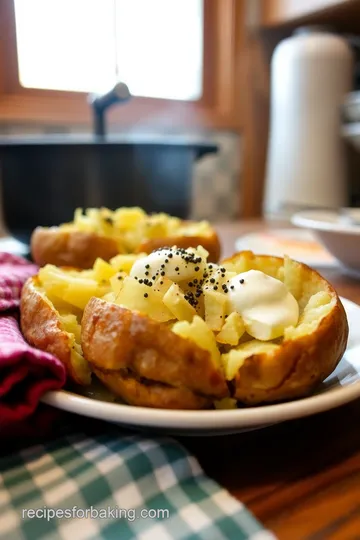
column 190, row 297
column 190, row 284
column 177, row 269
column 136, row 278
column 162, row 273
column 195, row 281
column 170, row 255
column 108, row 220
column 141, row 281
column 242, row 281
column 147, row 266
column 197, row 268
column 162, row 266
column 161, row 282
column 166, row 260
column 153, row 278
column 212, row 280
column 210, row 266
column 223, row 270
column 222, row 275
column 120, row 277
column 146, row 295
column 147, row 273
column 232, row 287
column 215, row 287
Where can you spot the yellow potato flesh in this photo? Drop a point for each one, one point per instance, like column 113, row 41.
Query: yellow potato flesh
column 215, row 309
column 232, row 330
column 199, row 332
column 175, row 301
column 139, row 297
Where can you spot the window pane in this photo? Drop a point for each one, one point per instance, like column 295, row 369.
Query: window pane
column 155, row 46
column 160, row 47
column 66, row 44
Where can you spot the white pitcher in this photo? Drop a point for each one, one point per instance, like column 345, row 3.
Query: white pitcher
column 310, row 73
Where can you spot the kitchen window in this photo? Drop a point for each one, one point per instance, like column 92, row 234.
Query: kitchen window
column 154, row 46
column 183, row 61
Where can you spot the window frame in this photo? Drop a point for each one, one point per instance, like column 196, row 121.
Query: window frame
column 219, row 107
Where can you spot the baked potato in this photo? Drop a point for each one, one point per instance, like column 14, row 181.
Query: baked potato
column 52, row 304
column 145, row 362
column 162, row 333
column 102, row 233
column 306, row 354
column 46, row 328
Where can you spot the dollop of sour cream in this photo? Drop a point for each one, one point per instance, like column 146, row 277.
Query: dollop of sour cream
column 174, row 263
column 264, row 303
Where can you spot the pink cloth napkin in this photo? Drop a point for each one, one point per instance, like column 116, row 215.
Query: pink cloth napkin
column 26, row 373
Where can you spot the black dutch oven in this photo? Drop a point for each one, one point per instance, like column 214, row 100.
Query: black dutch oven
column 45, row 178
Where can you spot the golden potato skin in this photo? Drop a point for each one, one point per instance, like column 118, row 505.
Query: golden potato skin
column 42, row 329
column 153, row 395
column 78, row 249
column 300, row 365
column 115, row 339
column 210, row 243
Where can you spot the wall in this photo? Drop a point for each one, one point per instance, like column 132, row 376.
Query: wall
column 216, row 183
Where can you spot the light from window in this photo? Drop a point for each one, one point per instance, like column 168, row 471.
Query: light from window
column 66, row 44
column 154, row 46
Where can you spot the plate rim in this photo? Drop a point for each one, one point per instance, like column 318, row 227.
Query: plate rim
column 205, row 419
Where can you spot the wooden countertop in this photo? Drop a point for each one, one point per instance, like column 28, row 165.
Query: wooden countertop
column 301, row 479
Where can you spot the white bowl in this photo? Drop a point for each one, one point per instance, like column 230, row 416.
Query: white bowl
column 338, row 231
column 351, row 107
column 351, row 133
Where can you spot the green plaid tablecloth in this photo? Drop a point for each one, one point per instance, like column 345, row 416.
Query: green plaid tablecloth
column 110, row 472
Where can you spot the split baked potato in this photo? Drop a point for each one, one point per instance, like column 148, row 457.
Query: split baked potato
column 104, row 233
column 294, row 365
column 168, row 342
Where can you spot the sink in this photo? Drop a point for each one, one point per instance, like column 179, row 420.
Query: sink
column 45, row 178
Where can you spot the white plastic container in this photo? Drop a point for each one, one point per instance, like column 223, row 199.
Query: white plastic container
column 310, row 73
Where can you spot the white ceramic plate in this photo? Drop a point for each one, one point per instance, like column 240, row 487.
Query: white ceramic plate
column 341, row 387
column 339, row 232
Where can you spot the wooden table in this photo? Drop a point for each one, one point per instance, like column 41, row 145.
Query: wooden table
column 300, row 478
